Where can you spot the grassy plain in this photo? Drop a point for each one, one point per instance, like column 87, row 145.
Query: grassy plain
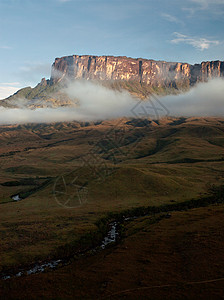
column 122, row 163
column 180, row 257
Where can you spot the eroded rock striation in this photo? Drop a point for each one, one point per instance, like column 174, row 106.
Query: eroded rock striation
column 140, row 77
column 144, row 71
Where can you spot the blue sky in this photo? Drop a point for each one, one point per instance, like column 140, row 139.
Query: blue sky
column 34, row 32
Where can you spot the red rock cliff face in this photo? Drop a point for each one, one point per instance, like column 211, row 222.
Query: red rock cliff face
column 150, row 72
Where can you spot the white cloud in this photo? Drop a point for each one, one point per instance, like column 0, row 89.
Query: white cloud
column 198, row 43
column 9, row 83
column 171, row 18
column 204, row 99
column 213, row 6
column 6, row 90
column 205, row 3
column 98, row 103
column 32, row 72
column 95, row 102
column 5, row 47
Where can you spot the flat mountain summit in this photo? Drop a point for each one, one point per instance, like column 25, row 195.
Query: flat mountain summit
column 144, row 71
column 140, row 77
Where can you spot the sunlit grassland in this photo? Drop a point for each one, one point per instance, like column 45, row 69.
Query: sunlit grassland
column 164, row 163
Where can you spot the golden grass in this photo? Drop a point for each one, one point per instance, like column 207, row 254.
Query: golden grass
column 154, row 172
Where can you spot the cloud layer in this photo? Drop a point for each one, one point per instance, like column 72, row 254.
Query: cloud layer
column 96, row 102
column 33, row 71
column 205, row 99
column 8, row 88
column 198, row 43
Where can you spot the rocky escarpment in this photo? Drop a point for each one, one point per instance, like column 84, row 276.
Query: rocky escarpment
column 148, row 72
column 141, row 77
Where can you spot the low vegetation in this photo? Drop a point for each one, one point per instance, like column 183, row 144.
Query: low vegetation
column 152, row 167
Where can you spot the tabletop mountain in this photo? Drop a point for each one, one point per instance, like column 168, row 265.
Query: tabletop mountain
column 141, row 77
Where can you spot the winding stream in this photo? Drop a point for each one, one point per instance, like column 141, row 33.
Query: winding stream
column 16, row 197
column 112, row 234
column 111, row 237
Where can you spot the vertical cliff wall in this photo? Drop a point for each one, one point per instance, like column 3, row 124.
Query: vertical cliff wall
column 140, row 77
column 149, row 72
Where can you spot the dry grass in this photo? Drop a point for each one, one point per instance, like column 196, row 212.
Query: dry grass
column 170, row 161
column 176, row 258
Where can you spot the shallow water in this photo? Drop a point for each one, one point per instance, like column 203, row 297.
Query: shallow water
column 16, row 197
column 111, row 235
column 40, row 268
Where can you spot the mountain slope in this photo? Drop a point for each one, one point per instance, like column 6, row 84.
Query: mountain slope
column 140, row 77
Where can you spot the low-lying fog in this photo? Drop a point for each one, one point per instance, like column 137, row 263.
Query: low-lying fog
column 204, row 99
column 97, row 102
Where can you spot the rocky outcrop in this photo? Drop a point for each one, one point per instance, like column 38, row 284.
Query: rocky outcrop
column 140, row 77
column 149, row 72
column 43, row 82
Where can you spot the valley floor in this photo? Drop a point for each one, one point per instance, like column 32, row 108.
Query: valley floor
column 180, row 257
column 120, row 165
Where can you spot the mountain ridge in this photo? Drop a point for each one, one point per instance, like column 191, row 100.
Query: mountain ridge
column 140, row 77
column 148, row 71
